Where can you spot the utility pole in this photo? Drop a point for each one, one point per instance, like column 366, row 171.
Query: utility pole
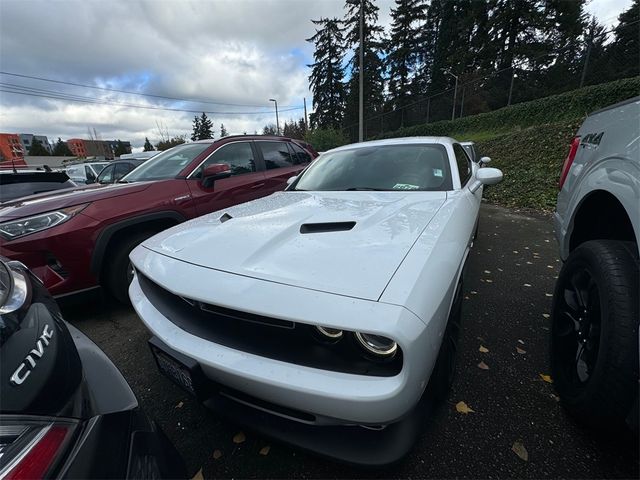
column 361, row 93
column 514, row 76
column 455, row 92
column 462, row 102
column 586, row 60
column 277, row 121
column 306, row 122
column 361, row 68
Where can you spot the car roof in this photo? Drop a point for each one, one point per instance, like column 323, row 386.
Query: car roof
column 397, row 141
column 246, row 137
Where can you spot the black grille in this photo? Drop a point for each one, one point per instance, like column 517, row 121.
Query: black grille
column 268, row 337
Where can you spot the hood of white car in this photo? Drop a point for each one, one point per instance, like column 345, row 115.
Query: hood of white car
column 347, row 243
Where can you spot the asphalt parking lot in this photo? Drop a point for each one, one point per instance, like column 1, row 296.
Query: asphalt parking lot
column 512, row 271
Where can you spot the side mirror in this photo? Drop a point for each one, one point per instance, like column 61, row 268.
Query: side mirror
column 214, row 172
column 486, row 176
column 484, row 160
column 90, row 181
column 290, row 180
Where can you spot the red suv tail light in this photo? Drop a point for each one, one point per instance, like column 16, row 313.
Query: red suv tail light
column 575, row 143
column 31, row 447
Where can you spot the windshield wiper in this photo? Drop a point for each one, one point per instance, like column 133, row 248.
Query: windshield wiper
column 352, row 189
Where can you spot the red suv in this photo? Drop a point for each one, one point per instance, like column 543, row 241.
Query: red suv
column 76, row 239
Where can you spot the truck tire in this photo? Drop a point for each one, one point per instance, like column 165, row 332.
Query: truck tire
column 118, row 276
column 594, row 333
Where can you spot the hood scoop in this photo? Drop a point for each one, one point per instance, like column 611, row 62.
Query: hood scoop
column 225, row 217
column 326, row 227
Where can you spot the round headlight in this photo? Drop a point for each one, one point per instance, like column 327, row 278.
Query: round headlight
column 328, row 333
column 6, row 283
column 14, row 289
column 377, row 344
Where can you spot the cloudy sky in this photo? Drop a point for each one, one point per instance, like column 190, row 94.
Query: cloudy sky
column 233, row 55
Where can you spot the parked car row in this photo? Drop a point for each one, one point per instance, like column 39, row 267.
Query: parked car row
column 317, row 299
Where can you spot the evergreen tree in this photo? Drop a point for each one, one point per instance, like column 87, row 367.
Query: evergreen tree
column 37, row 150
column 223, row 131
column 120, row 149
column 625, row 50
column 171, row 142
column 61, row 149
column 294, row 129
column 147, row 145
column 402, row 52
column 195, row 135
column 269, row 129
column 206, row 127
column 373, row 67
column 327, row 74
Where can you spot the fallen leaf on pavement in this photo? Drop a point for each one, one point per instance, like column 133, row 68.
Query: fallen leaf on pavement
column 473, row 292
column 462, row 407
column 483, row 366
column 546, row 378
column 489, row 280
column 198, row 476
column 555, row 397
column 527, row 285
column 548, row 294
column 520, row 342
column 239, row 437
column 519, row 450
column 545, row 315
column 483, row 349
column 520, row 351
column 265, row 450
column 179, row 405
column 487, row 272
column 217, row 454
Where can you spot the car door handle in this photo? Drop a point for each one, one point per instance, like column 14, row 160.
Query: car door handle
column 259, row 185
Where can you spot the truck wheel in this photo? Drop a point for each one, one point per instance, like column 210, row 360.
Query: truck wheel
column 594, row 333
column 119, row 271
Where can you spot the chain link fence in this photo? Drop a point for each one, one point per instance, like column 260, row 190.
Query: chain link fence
column 589, row 63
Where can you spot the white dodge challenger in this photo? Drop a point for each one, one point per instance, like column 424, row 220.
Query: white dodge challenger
column 325, row 315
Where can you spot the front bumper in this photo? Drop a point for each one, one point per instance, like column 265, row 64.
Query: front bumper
column 59, row 256
column 334, row 398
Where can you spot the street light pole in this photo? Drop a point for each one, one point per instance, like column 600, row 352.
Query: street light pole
column 277, row 121
column 515, row 75
column 361, row 68
column 455, row 92
column 361, row 92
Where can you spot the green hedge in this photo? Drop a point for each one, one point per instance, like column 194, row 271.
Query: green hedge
column 531, row 161
column 566, row 106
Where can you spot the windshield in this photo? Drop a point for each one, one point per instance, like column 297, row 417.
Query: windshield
column 19, row 185
column 387, row 167
column 97, row 167
column 167, row 164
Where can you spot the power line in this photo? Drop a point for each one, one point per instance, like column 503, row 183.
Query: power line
column 33, row 92
column 128, row 92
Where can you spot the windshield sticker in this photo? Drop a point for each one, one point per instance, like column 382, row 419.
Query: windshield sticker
column 437, row 172
column 405, row 186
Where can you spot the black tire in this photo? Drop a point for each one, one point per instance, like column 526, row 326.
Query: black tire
column 445, row 368
column 117, row 276
column 594, row 333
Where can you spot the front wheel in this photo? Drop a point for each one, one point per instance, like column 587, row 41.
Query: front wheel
column 444, row 370
column 594, row 332
column 119, row 272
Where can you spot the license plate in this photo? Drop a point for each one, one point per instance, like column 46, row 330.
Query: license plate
column 175, row 371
